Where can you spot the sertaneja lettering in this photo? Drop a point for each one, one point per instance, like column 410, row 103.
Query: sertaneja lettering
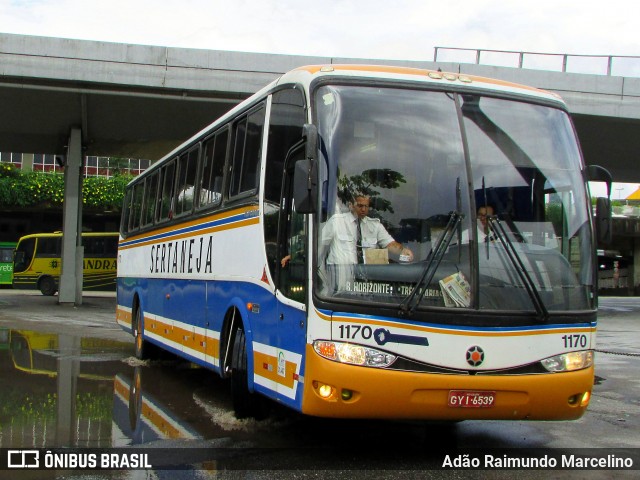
column 185, row 256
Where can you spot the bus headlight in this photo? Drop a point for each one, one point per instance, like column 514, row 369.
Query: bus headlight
column 568, row 362
column 353, row 354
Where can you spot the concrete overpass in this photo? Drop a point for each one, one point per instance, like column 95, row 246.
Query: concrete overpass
column 76, row 98
column 141, row 101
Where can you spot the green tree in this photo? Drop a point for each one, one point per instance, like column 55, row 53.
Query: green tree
column 38, row 189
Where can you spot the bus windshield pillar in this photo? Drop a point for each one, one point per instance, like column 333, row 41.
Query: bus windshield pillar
column 70, row 288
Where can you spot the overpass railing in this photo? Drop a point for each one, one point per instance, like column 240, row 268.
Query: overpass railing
column 611, row 65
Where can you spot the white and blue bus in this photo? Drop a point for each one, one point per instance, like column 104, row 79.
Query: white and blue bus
column 241, row 250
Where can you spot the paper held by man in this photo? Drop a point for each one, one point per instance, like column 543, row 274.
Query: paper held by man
column 376, row 256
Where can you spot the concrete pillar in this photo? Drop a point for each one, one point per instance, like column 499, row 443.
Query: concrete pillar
column 70, row 289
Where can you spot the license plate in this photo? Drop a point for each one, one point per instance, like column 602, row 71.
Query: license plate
column 471, row 399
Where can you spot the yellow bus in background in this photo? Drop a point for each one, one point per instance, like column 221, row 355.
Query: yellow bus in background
column 38, row 264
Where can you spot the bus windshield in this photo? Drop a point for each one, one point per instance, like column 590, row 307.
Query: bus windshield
column 433, row 199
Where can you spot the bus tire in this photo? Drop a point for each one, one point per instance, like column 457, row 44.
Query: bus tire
column 47, row 286
column 135, row 400
column 245, row 403
column 142, row 347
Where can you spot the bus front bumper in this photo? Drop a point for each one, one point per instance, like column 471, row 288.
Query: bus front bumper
column 361, row 392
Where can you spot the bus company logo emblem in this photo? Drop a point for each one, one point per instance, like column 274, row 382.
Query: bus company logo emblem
column 475, row 356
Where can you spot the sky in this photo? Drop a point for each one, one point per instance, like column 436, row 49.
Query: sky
column 373, row 29
column 397, row 29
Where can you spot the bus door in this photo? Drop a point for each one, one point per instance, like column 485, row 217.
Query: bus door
column 291, row 290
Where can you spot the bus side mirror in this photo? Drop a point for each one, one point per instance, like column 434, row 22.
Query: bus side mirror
column 305, row 186
column 596, row 173
column 310, row 135
column 604, row 227
column 604, row 223
column 305, row 174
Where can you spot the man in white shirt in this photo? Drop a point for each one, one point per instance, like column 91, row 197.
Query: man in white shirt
column 483, row 230
column 348, row 235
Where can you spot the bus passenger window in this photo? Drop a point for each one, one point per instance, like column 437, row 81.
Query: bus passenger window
column 166, row 208
column 92, row 246
column 149, row 208
column 215, row 152
column 246, row 154
column 48, row 247
column 111, row 246
column 187, row 169
column 136, row 206
column 124, row 220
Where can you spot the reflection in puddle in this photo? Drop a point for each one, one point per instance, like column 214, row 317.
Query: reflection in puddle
column 68, row 391
column 141, row 418
column 57, row 389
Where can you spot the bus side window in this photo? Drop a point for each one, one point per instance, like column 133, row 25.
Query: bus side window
column 150, row 199
column 24, row 255
column 187, row 170
column 91, row 246
column 166, row 197
column 246, row 153
column 126, row 212
column 111, row 246
column 48, row 247
column 136, row 206
column 214, row 156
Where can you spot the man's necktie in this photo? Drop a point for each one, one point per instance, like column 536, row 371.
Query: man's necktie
column 359, row 242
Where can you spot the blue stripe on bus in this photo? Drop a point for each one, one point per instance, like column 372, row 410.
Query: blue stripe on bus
column 464, row 328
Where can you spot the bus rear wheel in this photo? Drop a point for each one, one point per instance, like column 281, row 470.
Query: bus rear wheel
column 245, row 403
column 47, row 286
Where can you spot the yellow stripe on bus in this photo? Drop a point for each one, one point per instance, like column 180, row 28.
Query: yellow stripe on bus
column 164, row 233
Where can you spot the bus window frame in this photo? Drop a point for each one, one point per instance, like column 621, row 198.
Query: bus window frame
column 126, row 211
column 172, row 184
column 231, row 157
column 186, row 157
column 135, row 224
column 224, row 130
column 56, row 240
column 148, row 217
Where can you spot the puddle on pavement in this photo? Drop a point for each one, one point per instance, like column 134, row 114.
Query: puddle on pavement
column 66, row 391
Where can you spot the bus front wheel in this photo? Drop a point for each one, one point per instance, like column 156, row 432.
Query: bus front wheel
column 48, row 286
column 142, row 347
column 245, row 403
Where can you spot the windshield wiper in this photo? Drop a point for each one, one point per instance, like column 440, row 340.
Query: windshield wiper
column 414, row 298
column 496, row 226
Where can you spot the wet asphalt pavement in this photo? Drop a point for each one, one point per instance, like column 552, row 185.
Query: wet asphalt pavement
column 69, row 379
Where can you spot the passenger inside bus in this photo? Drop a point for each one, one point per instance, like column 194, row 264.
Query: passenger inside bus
column 483, row 233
